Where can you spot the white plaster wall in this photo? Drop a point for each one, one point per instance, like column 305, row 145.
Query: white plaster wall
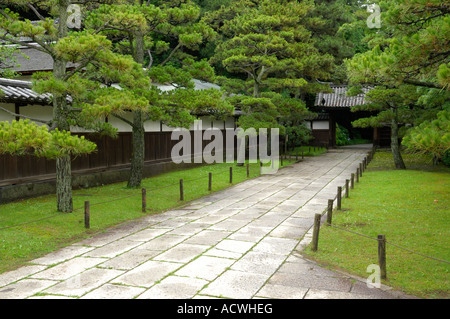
column 308, row 124
column 152, row 126
column 321, row 125
column 6, row 116
column 119, row 124
column 220, row 124
column 41, row 112
column 229, row 123
column 45, row 113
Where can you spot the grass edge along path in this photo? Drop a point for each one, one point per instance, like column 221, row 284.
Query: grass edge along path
column 31, row 228
column 411, row 208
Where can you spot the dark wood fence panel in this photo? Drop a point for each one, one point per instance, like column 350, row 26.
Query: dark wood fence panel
column 111, row 153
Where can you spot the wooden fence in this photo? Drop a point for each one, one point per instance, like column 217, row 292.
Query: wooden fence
column 112, row 153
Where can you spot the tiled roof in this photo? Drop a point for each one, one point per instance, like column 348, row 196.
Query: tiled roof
column 318, row 117
column 30, row 60
column 13, row 91
column 339, row 98
column 20, row 91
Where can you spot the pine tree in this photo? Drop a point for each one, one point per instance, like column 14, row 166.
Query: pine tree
column 269, row 49
column 70, row 89
column 160, row 37
column 393, row 106
column 408, row 63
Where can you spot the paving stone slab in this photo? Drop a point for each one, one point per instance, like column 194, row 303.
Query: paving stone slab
column 84, row 282
column 147, row 234
column 250, row 233
column 235, row 284
column 205, row 267
column 130, row 259
column 24, row 288
column 288, row 232
column 230, row 224
column 182, row 253
column 163, row 242
column 214, row 252
column 207, row 237
column 113, row 249
column 316, row 282
column 273, row 245
column 62, row 255
column 109, row 291
column 237, row 246
column 329, row 294
column 20, row 273
column 259, row 263
column 146, row 274
column 282, row 292
column 174, row 287
column 68, row 268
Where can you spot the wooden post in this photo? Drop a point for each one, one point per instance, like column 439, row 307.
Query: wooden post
column 231, row 175
column 87, row 215
column 315, row 238
column 181, row 190
column 339, row 197
column 330, row 211
column 210, row 181
column 352, row 181
column 347, row 191
column 144, row 200
column 357, row 175
column 382, row 255
column 260, row 167
column 281, row 160
column 360, row 170
column 248, row 170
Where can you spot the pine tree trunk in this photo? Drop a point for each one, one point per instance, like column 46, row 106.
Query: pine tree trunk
column 64, row 184
column 398, row 160
column 137, row 159
column 138, row 131
column 63, row 164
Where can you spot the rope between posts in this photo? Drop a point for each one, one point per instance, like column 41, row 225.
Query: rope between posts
column 109, row 201
column 415, row 252
column 387, row 242
column 353, row 232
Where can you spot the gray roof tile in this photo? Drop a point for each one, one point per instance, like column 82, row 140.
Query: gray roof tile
column 339, row 99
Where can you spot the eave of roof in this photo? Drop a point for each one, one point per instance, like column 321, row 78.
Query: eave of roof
column 339, row 98
column 17, row 91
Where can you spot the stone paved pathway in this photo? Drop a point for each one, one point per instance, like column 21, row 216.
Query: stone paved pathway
column 242, row 242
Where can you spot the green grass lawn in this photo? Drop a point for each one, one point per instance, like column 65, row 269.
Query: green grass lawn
column 307, row 151
column 412, row 209
column 42, row 229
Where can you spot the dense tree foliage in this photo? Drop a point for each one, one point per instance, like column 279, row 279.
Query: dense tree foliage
column 408, row 66
column 53, row 37
column 162, row 37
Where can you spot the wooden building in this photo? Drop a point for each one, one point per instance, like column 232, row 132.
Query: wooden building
column 111, row 161
column 334, row 108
